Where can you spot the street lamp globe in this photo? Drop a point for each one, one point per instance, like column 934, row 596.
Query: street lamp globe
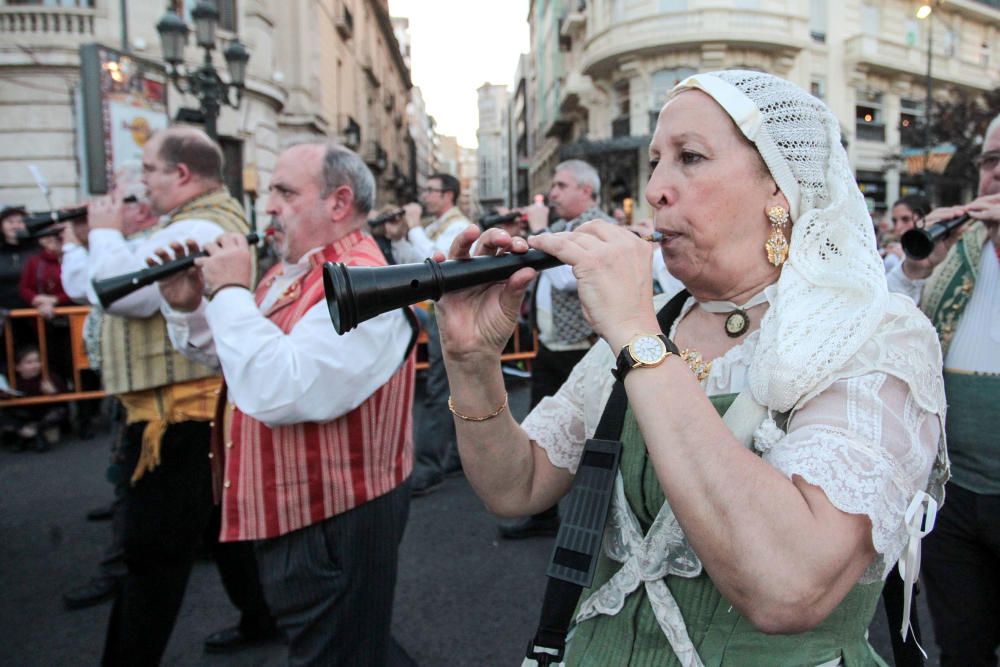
column 237, row 58
column 924, row 11
column 173, row 36
column 206, row 19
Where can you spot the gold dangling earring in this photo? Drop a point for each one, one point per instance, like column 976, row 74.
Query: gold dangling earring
column 777, row 246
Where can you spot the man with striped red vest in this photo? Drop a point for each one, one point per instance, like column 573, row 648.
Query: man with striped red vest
column 318, row 443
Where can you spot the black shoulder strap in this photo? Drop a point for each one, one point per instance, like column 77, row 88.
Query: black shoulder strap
column 414, row 323
column 581, row 532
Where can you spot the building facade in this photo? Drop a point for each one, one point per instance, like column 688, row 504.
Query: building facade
column 493, row 154
column 603, row 68
column 325, row 70
column 424, row 137
column 520, row 144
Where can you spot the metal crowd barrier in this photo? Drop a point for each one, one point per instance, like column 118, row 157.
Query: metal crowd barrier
column 76, row 315
column 516, row 351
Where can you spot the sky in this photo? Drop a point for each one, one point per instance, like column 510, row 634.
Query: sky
column 457, row 46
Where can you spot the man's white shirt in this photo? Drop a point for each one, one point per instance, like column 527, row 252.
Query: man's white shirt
column 311, row 374
column 112, row 255
column 976, row 345
column 418, row 246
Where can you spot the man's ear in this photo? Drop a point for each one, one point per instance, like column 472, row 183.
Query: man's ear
column 340, row 204
column 184, row 173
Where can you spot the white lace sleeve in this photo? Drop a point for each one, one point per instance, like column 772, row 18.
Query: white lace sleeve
column 867, row 443
column 561, row 424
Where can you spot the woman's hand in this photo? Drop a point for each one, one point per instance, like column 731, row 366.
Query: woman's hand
column 477, row 322
column 613, row 269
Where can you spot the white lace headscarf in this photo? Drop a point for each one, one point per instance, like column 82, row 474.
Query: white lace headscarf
column 832, row 293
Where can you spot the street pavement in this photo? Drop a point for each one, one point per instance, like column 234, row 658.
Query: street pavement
column 463, row 596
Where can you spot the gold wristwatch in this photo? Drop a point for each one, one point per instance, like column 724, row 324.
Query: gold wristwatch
column 643, row 351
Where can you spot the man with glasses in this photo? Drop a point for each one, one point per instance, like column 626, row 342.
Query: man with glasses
column 436, row 451
column 958, row 287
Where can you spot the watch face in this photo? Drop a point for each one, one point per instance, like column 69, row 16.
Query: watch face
column 647, row 349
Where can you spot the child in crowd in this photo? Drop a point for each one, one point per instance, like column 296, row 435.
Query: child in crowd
column 33, row 426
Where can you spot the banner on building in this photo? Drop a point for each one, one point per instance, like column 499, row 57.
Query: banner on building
column 918, row 160
column 124, row 103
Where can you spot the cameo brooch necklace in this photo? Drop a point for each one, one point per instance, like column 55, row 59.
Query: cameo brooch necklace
column 737, row 320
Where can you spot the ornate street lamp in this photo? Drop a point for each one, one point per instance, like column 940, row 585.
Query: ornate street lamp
column 204, row 81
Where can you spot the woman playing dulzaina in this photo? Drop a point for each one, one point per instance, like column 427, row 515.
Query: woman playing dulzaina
column 757, row 534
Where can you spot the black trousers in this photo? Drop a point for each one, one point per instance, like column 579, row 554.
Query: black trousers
column 163, row 518
column 165, row 514
column 331, row 584
column 435, row 435
column 237, row 565
column 961, row 572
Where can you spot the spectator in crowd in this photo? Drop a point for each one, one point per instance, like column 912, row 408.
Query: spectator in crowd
column 41, row 287
column 906, row 213
column 958, row 287
column 33, row 426
column 41, row 284
column 413, row 241
column 14, row 254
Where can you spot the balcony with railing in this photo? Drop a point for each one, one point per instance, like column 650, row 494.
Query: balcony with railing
column 58, row 26
column 882, row 55
column 748, row 28
column 865, row 131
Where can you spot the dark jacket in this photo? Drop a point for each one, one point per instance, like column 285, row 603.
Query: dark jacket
column 12, row 261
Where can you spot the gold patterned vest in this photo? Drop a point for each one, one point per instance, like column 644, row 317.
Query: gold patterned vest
column 136, row 352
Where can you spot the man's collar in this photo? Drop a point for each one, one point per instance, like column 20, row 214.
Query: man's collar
column 451, row 212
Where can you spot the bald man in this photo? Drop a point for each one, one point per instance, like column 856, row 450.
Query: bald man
column 169, row 400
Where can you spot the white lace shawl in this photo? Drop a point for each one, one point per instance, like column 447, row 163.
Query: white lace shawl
column 870, row 439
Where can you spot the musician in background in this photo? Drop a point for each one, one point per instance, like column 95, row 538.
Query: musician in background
column 169, row 401
column 436, row 448
column 138, row 221
column 563, row 334
column 318, row 447
column 958, row 288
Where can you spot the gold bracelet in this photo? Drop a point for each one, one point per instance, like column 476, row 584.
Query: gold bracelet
column 503, row 406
